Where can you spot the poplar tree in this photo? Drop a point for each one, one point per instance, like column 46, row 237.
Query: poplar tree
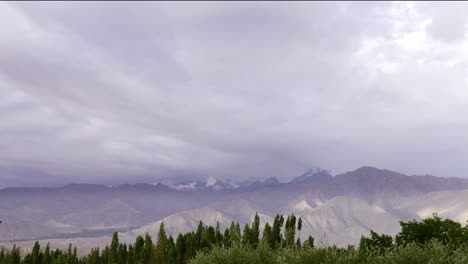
column 138, row 255
column 180, row 249
column 246, row 235
column 46, row 259
column 255, row 231
column 162, row 246
column 276, row 231
column 227, row 238
column 290, row 230
column 267, row 235
column 148, row 249
column 36, row 255
column 218, row 236
column 114, row 249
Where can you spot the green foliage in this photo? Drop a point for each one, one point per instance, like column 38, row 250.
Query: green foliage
column 433, row 240
column 290, row 230
column 276, row 237
column 267, row 235
column 446, row 231
column 114, row 249
column 379, row 243
column 434, row 253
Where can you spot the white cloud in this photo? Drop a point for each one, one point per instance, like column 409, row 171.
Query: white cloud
column 128, row 91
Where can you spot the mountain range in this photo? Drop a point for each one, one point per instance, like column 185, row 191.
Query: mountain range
column 336, row 209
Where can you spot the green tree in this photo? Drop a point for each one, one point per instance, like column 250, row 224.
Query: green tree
column 114, row 249
column 309, row 242
column 130, row 255
column 199, row 236
column 94, row 256
column 180, row 249
column 276, row 236
column 246, row 235
column 208, row 237
column 36, row 255
column 138, row 250
column 290, row 230
column 162, row 246
column 122, row 253
column 376, row 242
column 255, row 231
column 267, row 238
column 235, row 234
column 227, row 238
column 46, row 258
column 218, row 235
column 446, row 231
column 148, row 250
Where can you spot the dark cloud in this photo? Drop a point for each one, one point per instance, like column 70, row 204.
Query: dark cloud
column 114, row 92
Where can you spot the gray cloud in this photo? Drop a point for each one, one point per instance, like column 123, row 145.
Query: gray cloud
column 114, row 92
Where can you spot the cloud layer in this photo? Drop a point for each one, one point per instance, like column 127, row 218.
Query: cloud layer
column 120, row 91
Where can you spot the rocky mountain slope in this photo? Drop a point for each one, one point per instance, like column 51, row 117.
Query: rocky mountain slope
column 336, row 209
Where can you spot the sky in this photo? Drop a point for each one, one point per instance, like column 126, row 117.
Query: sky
column 113, row 92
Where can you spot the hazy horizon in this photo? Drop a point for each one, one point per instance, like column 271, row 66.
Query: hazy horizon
column 115, row 92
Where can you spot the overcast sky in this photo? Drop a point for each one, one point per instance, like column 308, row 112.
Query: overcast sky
column 128, row 92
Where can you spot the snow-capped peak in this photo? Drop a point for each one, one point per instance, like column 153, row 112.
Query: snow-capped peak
column 177, row 185
column 311, row 173
column 313, row 170
column 211, row 181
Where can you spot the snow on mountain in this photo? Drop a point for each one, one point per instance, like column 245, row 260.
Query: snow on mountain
column 181, row 185
column 343, row 207
column 210, row 183
column 314, row 174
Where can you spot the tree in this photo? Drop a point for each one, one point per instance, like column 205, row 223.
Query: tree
column 94, row 256
column 208, row 237
column 180, row 249
column 255, row 231
column 446, row 231
column 227, row 238
column 14, row 256
column 267, row 235
column 276, row 231
column 114, row 249
column 199, row 236
column 46, row 258
column 235, row 234
column 218, row 235
column 130, row 254
column 380, row 243
column 122, row 253
column 36, row 255
column 148, row 249
column 246, row 235
column 162, row 246
column 290, row 230
column 309, row 242
column 138, row 252
column 171, row 251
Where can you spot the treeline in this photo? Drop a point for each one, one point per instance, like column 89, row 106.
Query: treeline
column 432, row 240
column 166, row 249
